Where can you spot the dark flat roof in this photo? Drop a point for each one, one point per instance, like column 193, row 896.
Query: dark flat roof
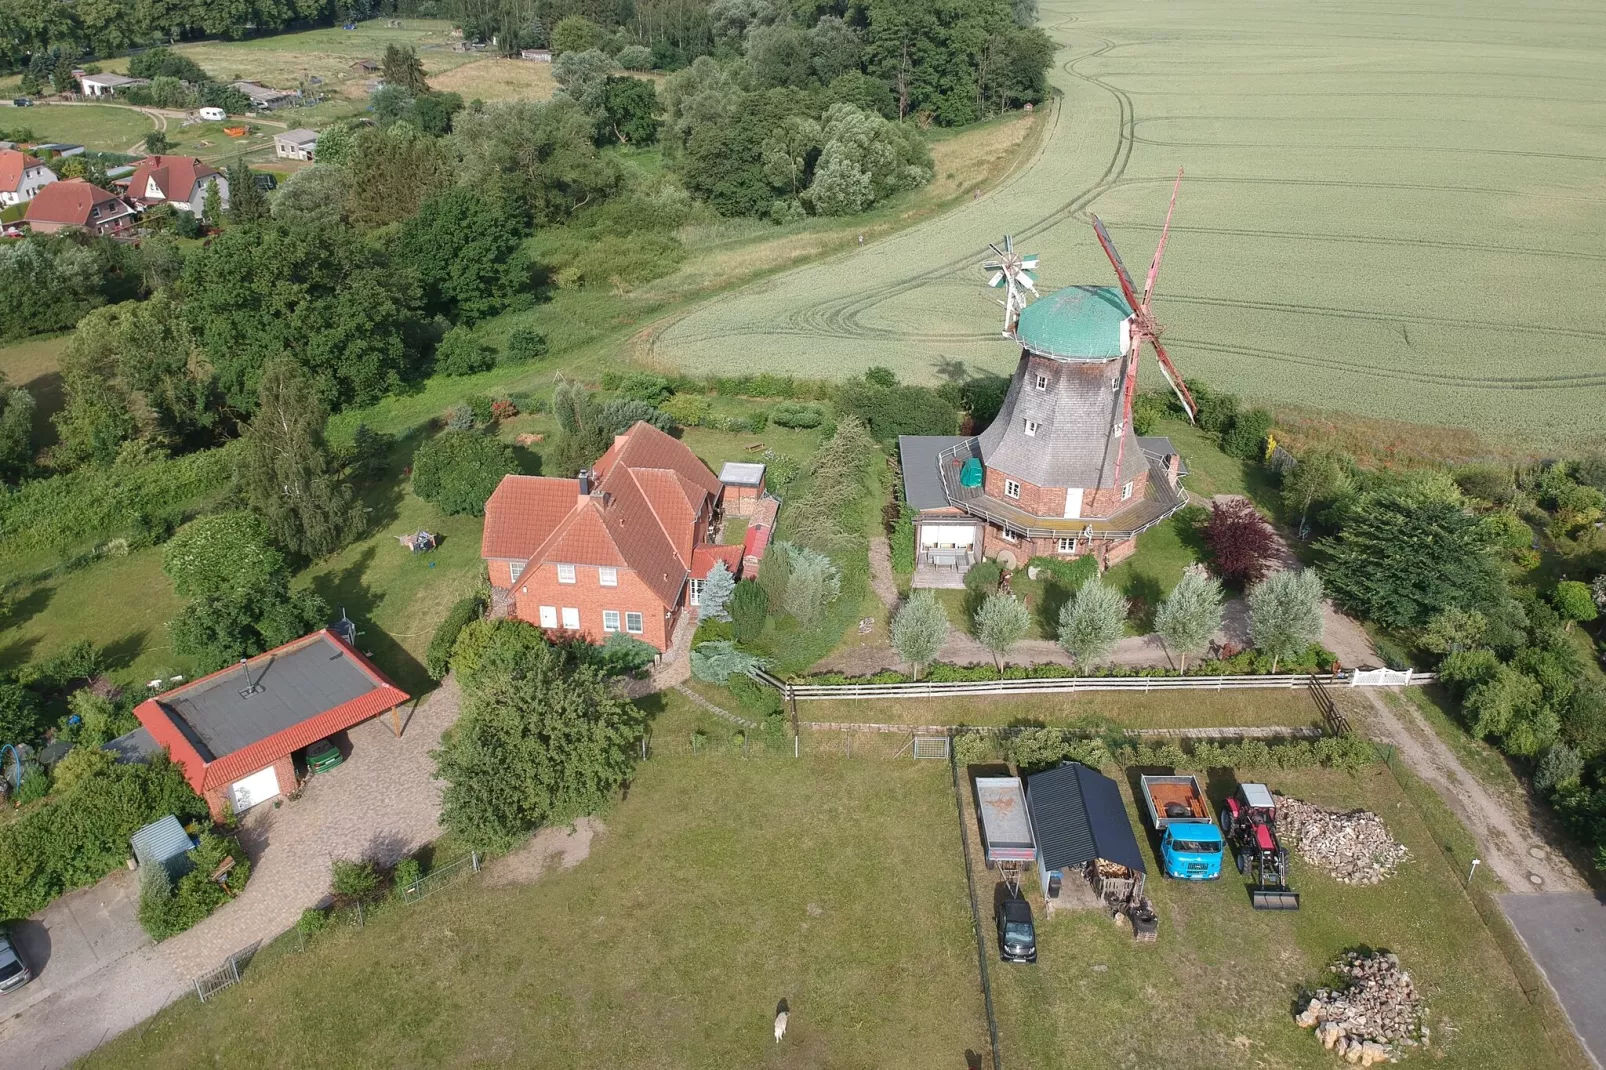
column 1160, row 446
column 922, row 483
column 135, row 746
column 1077, row 816
column 295, row 685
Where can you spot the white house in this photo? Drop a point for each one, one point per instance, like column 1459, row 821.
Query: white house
column 21, row 177
column 105, row 85
column 295, row 144
column 181, row 181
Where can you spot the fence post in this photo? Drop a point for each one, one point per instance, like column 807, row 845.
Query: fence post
column 795, row 748
column 474, row 860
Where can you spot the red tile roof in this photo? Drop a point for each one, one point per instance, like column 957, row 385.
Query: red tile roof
column 703, row 558
column 175, row 176
column 523, row 512
column 642, row 513
column 69, row 203
column 224, row 769
column 13, row 165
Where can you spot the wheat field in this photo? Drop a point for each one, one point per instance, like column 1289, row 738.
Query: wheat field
column 1391, row 210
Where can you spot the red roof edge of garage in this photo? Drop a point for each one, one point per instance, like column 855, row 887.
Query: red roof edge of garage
column 264, row 752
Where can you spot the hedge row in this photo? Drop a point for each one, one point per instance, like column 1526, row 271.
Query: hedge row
column 1041, row 748
column 1248, row 663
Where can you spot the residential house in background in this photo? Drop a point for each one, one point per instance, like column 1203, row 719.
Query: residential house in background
column 73, row 202
column 21, row 177
column 106, row 85
column 295, row 144
column 624, row 547
column 177, row 180
column 264, row 98
column 235, row 733
column 365, row 66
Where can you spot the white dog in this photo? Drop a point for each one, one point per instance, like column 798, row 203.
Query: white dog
column 780, row 1026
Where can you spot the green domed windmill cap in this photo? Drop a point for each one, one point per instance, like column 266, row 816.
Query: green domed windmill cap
column 1078, row 322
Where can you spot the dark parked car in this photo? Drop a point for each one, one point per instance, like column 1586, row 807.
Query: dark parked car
column 22, row 102
column 14, row 973
column 1017, row 937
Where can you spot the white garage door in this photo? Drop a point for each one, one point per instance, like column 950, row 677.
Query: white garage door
column 258, row 787
column 947, row 535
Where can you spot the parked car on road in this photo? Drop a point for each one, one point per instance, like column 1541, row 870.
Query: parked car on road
column 22, row 102
column 1017, row 937
column 14, row 973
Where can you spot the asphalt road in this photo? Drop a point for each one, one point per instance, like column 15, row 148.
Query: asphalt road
column 1566, row 935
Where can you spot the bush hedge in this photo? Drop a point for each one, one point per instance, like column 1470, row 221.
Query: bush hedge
column 437, row 659
column 167, row 909
column 76, row 837
column 1041, row 748
column 1248, row 663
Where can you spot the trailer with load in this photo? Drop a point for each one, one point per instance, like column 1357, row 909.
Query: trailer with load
column 1005, row 828
column 1249, row 823
column 1190, row 844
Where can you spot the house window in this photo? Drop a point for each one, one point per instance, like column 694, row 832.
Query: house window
column 571, row 618
column 565, row 573
column 633, row 623
column 696, row 592
column 549, row 616
column 1007, row 535
column 1068, row 546
column 610, row 620
column 1011, row 489
column 1031, row 427
column 1042, row 382
column 514, row 571
column 608, row 577
column 1126, row 491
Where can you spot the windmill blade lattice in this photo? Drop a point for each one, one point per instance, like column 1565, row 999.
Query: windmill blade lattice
column 1012, row 272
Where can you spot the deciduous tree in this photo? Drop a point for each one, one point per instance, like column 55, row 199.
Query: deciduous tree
column 1285, row 613
column 1190, row 614
column 1092, row 622
column 459, row 470
column 1242, row 544
column 1001, row 621
column 919, row 629
column 400, row 66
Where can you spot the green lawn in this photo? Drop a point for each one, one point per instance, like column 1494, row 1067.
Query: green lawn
column 104, row 127
column 35, row 365
column 721, row 886
column 1092, row 710
column 1216, row 989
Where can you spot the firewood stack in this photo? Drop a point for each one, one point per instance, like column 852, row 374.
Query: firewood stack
column 1374, row 1014
column 1355, row 847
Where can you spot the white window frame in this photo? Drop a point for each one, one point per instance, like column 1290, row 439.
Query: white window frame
column 1068, row 546
column 1031, row 427
column 565, row 573
column 641, row 623
column 514, row 571
column 610, row 620
column 607, row 576
column 1011, row 489
column 696, row 596
column 1126, row 490
column 1042, row 382
column 549, row 616
column 1004, row 534
column 571, row 619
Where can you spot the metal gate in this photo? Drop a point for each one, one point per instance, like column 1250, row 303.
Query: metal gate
column 211, row 983
column 931, row 747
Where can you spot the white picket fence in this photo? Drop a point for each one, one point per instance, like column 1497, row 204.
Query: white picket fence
column 1072, row 684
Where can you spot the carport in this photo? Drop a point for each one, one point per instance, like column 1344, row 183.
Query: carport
column 1080, row 826
column 235, row 731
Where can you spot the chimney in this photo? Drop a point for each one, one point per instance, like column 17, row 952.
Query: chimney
column 1173, row 469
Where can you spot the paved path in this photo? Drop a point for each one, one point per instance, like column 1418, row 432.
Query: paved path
column 103, row 976
column 1566, row 935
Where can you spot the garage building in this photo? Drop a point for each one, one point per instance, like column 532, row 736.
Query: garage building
column 235, row 732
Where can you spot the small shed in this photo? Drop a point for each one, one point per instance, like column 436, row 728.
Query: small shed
column 164, row 843
column 744, row 485
column 1081, row 828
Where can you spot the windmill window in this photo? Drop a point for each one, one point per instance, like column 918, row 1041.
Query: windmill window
column 1042, row 382
column 1007, row 536
column 565, row 573
column 1126, row 491
column 1032, row 426
column 1068, row 546
column 1011, row 489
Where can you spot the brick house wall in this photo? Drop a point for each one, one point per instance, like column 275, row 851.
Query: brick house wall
column 1109, row 553
column 540, row 587
column 216, row 798
column 501, row 572
column 1050, row 501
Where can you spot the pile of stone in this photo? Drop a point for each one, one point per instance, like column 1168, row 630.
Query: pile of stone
column 1355, row 847
column 1372, row 1016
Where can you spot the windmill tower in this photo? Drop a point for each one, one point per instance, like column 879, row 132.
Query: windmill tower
column 1061, row 472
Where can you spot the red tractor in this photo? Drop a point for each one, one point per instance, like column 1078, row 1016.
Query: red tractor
column 1249, row 822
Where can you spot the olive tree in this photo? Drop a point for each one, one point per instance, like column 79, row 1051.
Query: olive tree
column 1285, row 613
column 1092, row 622
column 1190, row 614
column 919, row 629
column 1002, row 621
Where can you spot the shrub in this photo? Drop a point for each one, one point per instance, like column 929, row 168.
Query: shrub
column 1574, row 601
column 983, row 577
column 460, row 353
column 1246, row 437
column 718, row 661
column 754, row 696
column 774, row 573
column 646, row 387
column 437, row 660
column 689, row 410
column 815, row 582
column 1560, row 769
column 635, row 58
column 619, row 655
column 458, row 470
column 167, row 909
column 353, row 881
column 973, row 748
column 409, row 871
column 525, row 344
column 797, row 415
column 1041, row 748
column 311, row 922
column 901, row 541
column 749, row 607
column 1241, row 542
column 1069, row 573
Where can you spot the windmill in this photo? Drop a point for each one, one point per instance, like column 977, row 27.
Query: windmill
column 1144, row 328
column 1012, row 271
